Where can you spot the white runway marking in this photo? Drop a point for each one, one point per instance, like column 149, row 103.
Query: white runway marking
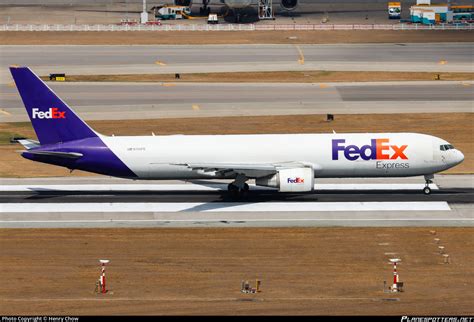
column 201, row 187
column 222, row 207
column 250, row 220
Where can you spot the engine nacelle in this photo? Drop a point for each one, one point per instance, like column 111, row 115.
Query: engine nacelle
column 289, row 5
column 186, row 3
column 289, row 180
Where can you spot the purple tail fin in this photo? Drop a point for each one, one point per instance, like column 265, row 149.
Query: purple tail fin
column 52, row 119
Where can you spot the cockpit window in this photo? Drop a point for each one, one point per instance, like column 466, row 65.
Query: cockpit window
column 446, row 147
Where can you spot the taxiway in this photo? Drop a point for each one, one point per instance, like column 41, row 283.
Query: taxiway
column 103, row 101
column 152, row 59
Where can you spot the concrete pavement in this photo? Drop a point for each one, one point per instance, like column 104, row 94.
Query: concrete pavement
column 451, row 205
column 147, row 59
column 94, row 101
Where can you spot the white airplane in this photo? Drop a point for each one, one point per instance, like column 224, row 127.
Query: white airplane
column 236, row 5
column 288, row 162
column 239, row 4
column 287, row 5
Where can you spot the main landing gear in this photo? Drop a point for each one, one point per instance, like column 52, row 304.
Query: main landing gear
column 205, row 10
column 428, row 180
column 239, row 188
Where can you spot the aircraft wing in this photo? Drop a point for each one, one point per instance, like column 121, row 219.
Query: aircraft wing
column 250, row 170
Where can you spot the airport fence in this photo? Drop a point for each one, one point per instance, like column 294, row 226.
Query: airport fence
column 228, row 27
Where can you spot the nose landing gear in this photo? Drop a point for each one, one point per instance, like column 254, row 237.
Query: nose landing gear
column 427, row 189
column 428, row 180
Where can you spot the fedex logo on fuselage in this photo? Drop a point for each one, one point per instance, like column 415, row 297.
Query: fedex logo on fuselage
column 379, row 149
column 52, row 113
column 296, row 180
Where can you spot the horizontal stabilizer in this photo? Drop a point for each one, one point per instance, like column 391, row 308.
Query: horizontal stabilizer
column 29, row 144
column 66, row 155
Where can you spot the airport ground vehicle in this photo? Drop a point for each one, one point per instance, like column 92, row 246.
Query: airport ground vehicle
column 172, row 12
column 287, row 162
column 394, row 10
column 212, row 19
column 463, row 13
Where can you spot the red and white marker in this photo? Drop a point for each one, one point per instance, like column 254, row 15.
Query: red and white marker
column 395, row 274
column 102, row 275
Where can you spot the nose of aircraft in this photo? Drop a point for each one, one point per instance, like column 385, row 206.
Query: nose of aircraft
column 459, row 157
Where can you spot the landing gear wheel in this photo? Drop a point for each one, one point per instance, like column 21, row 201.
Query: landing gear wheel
column 237, row 193
column 205, row 10
column 427, row 190
column 428, row 181
column 232, row 187
column 233, row 191
column 244, row 192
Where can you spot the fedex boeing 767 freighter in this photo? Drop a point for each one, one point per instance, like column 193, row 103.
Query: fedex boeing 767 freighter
column 288, row 162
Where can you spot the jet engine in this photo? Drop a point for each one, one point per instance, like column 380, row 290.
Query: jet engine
column 186, row 3
column 289, row 180
column 289, row 5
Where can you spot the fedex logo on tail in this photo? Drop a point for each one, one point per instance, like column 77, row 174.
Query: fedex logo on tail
column 378, row 149
column 52, row 113
column 296, row 180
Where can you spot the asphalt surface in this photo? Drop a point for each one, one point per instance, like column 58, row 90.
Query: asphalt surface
column 442, row 181
column 454, row 195
column 95, row 101
column 89, row 55
column 234, row 58
column 404, row 208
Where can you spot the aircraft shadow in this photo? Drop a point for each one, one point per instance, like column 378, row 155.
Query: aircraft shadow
column 452, row 195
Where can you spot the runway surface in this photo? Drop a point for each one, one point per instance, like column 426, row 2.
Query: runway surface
column 352, row 202
column 95, row 101
column 148, row 59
